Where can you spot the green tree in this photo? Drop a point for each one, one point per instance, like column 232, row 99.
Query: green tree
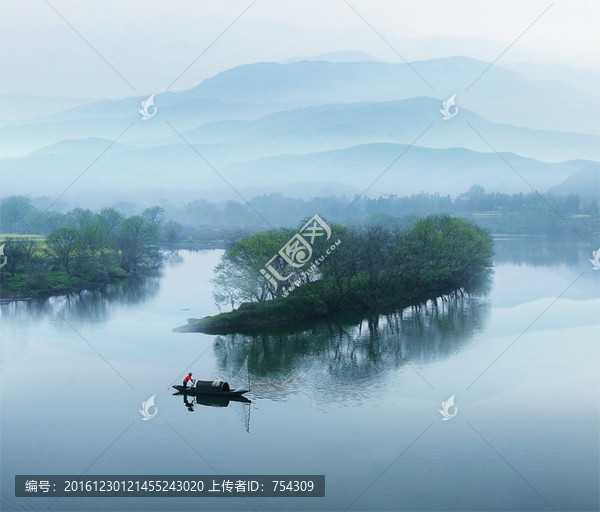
column 19, row 253
column 15, row 214
column 363, row 268
column 171, row 231
column 46, row 222
column 137, row 243
column 61, row 245
column 154, row 215
column 81, row 217
column 341, row 267
column 111, row 220
column 92, row 243
column 374, row 251
column 444, row 253
column 238, row 276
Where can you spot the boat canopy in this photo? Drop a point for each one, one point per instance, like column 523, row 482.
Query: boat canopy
column 213, row 386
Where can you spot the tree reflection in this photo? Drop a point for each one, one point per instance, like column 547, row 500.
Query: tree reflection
column 172, row 257
column 347, row 357
column 87, row 305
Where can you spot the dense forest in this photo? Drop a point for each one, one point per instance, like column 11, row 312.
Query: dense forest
column 350, row 269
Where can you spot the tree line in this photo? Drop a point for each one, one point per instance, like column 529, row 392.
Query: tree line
column 365, row 267
column 521, row 213
column 206, row 222
column 96, row 248
column 19, row 215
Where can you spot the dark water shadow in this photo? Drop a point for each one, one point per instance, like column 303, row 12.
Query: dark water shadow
column 349, row 356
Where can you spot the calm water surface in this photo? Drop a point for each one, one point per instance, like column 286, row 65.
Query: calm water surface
column 355, row 400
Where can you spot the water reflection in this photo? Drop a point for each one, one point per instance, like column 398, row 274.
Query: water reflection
column 347, row 358
column 210, row 401
column 191, row 402
column 89, row 305
column 539, row 251
column 172, row 257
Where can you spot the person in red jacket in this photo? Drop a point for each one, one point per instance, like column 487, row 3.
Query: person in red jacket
column 188, row 378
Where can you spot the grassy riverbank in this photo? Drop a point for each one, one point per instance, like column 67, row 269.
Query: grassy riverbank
column 22, row 286
column 101, row 248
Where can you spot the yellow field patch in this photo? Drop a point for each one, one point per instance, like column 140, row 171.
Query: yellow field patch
column 35, row 238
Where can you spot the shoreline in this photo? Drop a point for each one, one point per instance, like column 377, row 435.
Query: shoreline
column 31, row 293
column 259, row 318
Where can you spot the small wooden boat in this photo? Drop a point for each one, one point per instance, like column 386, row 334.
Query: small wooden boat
column 211, row 387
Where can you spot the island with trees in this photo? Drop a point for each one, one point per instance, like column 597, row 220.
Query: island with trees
column 363, row 269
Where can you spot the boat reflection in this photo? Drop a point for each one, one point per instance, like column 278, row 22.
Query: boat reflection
column 211, row 401
column 190, row 402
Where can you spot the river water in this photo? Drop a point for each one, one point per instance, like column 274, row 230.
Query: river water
column 355, row 400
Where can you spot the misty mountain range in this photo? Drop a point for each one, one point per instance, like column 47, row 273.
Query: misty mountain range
column 312, row 127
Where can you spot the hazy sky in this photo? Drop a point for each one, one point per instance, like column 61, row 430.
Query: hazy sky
column 141, row 47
